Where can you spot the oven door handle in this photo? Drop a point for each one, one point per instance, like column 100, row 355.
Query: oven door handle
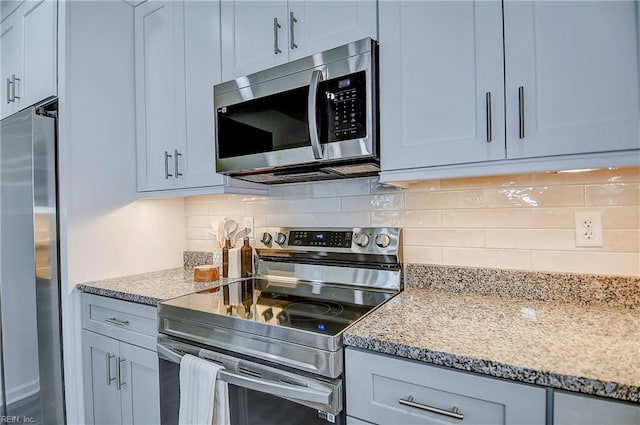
column 280, row 389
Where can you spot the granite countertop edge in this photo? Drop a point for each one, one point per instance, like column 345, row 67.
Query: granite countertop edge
column 120, row 295
column 583, row 385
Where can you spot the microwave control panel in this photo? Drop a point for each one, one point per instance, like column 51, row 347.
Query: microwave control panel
column 346, row 107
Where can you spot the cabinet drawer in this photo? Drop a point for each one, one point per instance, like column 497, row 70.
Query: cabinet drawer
column 376, row 385
column 576, row 409
column 122, row 320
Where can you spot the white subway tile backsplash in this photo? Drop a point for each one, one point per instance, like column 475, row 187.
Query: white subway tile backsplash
column 487, row 181
column 422, row 254
column 621, row 241
column 291, row 191
column 621, row 217
column 199, row 221
column 319, row 220
column 436, row 200
column 615, row 263
column 538, row 196
column 342, row 188
column 444, row 237
column 558, row 239
column 426, row 218
column 482, row 218
column 199, row 245
column 522, row 222
column 321, row 205
column 383, row 202
column 613, row 194
column 483, row 257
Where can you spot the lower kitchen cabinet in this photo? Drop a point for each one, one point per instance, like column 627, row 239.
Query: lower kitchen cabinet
column 574, row 409
column 387, row 390
column 120, row 378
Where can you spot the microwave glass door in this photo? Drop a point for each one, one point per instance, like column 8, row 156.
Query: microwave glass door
column 271, row 123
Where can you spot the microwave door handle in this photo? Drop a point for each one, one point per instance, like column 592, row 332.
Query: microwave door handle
column 311, row 108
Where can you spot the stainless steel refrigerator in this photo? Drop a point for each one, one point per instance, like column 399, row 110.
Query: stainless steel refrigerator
column 31, row 349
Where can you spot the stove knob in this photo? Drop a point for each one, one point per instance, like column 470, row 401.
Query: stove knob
column 383, row 240
column 266, row 238
column 281, row 238
column 362, row 240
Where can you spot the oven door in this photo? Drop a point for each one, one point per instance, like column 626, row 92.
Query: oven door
column 258, row 394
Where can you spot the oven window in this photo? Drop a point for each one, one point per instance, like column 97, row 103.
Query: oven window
column 248, row 407
column 266, row 124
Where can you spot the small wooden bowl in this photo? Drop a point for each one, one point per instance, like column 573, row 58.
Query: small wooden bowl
column 205, row 273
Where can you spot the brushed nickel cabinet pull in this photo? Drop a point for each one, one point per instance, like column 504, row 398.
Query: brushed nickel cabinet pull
column 109, row 378
column 489, row 123
column 453, row 413
column 276, row 26
column 13, row 88
column 176, row 155
column 292, row 23
column 120, row 382
column 9, row 83
column 116, row 321
column 167, row 155
column 521, row 110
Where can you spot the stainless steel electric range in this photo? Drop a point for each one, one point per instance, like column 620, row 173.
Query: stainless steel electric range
column 279, row 334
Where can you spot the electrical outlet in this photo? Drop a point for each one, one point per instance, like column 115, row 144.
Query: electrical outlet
column 588, row 229
column 247, row 222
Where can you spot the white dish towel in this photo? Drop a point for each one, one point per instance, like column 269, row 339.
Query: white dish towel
column 204, row 400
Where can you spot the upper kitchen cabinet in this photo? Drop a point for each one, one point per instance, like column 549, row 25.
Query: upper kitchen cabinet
column 257, row 35
column 572, row 81
column 28, row 45
column 160, row 94
column 177, row 63
column 558, row 90
column 441, row 83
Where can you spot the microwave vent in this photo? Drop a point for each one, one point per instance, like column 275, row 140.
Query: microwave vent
column 355, row 169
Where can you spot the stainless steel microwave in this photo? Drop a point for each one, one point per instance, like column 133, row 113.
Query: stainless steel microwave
column 314, row 118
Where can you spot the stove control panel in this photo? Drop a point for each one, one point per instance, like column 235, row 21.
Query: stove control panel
column 320, row 238
column 364, row 240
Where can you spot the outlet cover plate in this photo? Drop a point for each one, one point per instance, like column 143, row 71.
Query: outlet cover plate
column 588, row 229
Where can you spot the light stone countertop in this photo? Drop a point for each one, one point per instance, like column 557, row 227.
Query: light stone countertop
column 591, row 350
column 150, row 288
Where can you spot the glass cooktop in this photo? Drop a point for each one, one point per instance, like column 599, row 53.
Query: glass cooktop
column 315, row 307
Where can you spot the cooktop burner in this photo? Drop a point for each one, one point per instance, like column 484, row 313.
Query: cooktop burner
column 315, row 307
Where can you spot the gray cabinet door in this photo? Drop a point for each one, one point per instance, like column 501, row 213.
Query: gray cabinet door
column 440, row 62
column 388, row 390
column 575, row 409
column 100, row 363
column 254, row 36
column 160, row 99
column 140, row 388
column 572, row 69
